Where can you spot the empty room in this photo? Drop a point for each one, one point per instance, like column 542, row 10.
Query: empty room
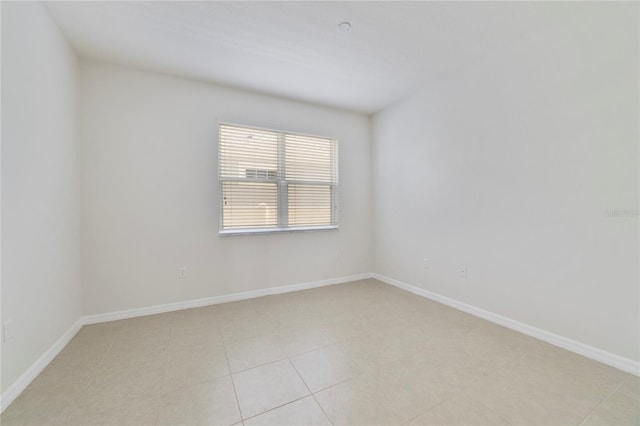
column 320, row 213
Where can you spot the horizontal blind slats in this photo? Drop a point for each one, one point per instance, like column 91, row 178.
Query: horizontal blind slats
column 309, row 158
column 309, row 204
column 259, row 167
column 249, row 204
column 243, row 149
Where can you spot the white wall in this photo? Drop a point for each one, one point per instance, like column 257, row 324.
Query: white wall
column 150, row 193
column 40, row 186
column 508, row 166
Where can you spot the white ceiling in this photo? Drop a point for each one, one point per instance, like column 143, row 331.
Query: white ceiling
column 293, row 49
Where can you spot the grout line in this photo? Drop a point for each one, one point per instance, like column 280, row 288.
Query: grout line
column 275, row 408
column 256, row 366
column 164, row 368
column 338, row 383
column 233, row 384
column 631, row 378
column 502, row 416
column 429, row 409
column 278, row 359
column 604, row 399
column 310, row 392
column 311, row 350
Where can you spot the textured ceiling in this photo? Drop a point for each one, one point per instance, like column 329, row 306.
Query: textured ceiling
column 293, row 49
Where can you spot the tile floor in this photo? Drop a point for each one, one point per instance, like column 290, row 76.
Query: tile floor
column 359, row 353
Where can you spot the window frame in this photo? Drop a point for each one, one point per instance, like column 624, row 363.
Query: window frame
column 282, row 184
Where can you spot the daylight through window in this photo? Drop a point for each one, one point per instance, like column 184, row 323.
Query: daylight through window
column 276, row 181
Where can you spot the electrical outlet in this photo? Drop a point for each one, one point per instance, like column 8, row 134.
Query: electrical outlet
column 426, row 263
column 463, row 271
column 7, row 330
column 182, row 272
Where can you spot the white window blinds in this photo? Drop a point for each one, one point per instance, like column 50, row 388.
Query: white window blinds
column 276, row 181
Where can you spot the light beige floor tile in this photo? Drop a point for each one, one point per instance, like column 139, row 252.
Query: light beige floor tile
column 111, row 389
column 487, row 347
column 249, row 353
column 150, row 325
column 367, row 354
column 62, row 371
column 304, row 411
column 200, row 322
column 134, row 412
column 209, row 403
column 365, row 401
column 425, row 383
column 403, row 341
column 631, row 387
column 571, row 369
column 338, row 330
column 84, row 355
column 132, row 352
column 95, row 334
column 298, row 323
column 449, row 351
column 375, row 318
column 269, row 386
column 459, row 410
column 325, row 367
column 43, row 405
column 244, row 328
column 241, row 308
column 524, row 398
column 78, row 361
column 202, row 325
column 189, row 365
column 618, row 409
column 194, row 337
column 294, row 342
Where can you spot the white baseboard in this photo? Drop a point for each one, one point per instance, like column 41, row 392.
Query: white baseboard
column 206, row 301
column 36, row 368
column 617, row 361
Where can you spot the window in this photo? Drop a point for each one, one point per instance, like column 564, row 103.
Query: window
column 276, row 181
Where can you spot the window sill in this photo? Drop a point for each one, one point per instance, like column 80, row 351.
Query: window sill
column 256, row 231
